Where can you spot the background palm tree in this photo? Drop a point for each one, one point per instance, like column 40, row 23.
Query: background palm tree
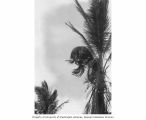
column 47, row 102
column 95, row 56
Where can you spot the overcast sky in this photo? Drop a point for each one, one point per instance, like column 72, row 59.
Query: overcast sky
column 54, row 43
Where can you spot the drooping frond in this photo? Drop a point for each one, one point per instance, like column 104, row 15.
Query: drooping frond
column 78, row 71
column 81, row 57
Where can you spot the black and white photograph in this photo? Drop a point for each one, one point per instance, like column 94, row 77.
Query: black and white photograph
column 72, row 57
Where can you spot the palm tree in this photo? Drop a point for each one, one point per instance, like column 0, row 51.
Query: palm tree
column 47, row 102
column 95, row 56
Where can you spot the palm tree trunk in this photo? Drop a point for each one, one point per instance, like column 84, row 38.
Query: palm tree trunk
column 98, row 102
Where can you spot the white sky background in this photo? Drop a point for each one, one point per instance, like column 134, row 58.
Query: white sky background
column 54, row 43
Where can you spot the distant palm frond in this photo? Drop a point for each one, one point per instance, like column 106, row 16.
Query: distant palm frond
column 47, row 102
column 60, row 106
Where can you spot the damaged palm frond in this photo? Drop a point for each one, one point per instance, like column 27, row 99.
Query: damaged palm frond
column 81, row 57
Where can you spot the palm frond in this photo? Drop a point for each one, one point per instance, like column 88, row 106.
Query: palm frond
column 44, row 85
column 70, row 25
column 109, row 58
column 88, row 107
column 99, row 27
column 78, row 71
column 81, row 10
column 53, row 98
column 108, row 44
column 89, row 104
column 80, row 56
column 83, row 13
column 42, row 101
column 47, row 102
column 60, row 106
column 42, row 94
column 51, row 108
column 54, row 95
